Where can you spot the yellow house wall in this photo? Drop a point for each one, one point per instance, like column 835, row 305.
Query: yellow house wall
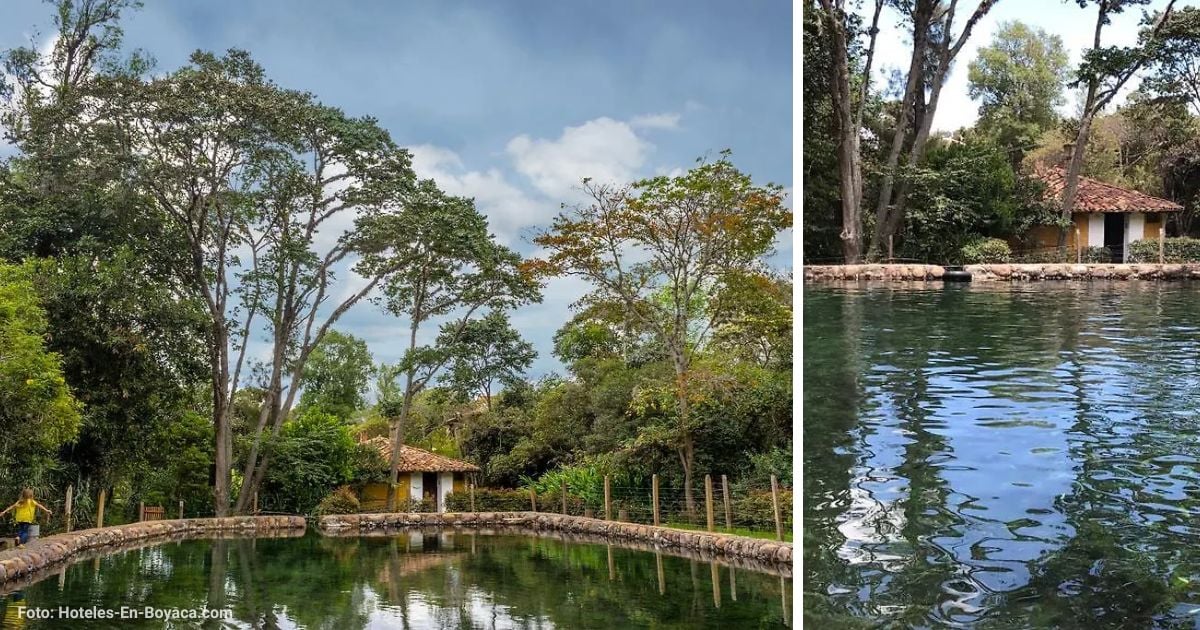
column 1154, row 225
column 460, row 482
column 373, row 496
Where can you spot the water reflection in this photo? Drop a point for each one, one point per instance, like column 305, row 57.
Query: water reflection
column 415, row 579
column 1014, row 455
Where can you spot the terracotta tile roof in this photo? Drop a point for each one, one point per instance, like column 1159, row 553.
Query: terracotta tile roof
column 1096, row 196
column 413, row 459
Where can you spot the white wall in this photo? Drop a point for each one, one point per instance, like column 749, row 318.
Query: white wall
column 1096, row 230
column 416, row 486
column 445, row 487
column 1135, row 230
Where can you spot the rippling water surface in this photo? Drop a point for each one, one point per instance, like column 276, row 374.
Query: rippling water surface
column 412, row 580
column 1014, row 456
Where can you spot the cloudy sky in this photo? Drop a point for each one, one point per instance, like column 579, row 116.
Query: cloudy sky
column 509, row 103
column 1060, row 17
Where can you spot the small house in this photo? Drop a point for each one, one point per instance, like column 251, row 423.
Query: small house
column 426, row 475
column 1104, row 215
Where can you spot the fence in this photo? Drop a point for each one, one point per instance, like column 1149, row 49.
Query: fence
column 715, row 505
column 73, row 510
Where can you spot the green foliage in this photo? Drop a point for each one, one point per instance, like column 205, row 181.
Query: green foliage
column 484, row 352
column 37, row 410
column 1018, row 80
column 963, row 190
column 340, row 501
column 314, row 454
column 1175, row 250
column 489, row 500
column 756, row 510
column 585, row 481
column 986, row 250
column 336, row 375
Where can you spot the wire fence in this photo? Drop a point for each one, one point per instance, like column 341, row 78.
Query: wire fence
column 713, row 504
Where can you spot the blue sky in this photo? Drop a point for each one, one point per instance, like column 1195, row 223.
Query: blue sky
column 510, row 103
column 1064, row 18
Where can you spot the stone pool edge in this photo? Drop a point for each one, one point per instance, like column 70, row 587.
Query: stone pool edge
column 757, row 549
column 44, row 553
column 1005, row 272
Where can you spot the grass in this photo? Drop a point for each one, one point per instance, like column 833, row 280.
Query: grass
column 737, row 531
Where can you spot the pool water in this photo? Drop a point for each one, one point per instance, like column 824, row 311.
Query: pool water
column 406, row 580
column 1009, row 456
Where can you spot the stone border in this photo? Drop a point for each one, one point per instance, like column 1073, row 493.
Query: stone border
column 770, row 552
column 728, row 561
column 998, row 272
column 36, row 558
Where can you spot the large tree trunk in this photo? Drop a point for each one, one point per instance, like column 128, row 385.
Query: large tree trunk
column 397, row 428
column 223, row 451
column 1074, row 166
column 849, row 157
column 904, row 120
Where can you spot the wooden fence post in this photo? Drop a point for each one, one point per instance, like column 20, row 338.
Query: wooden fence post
column 654, row 482
column 181, row 509
column 607, row 500
column 532, row 499
column 100, row 509
column 141, row 511
column 775, row 505
column 708, row 502
column 472, row 497
column 564, row 496
column 67, row 505
column 725, row 498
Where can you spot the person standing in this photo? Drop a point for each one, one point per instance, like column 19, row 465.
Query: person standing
column 25, row 513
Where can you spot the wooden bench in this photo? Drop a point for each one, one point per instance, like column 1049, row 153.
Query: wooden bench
column 152, row 513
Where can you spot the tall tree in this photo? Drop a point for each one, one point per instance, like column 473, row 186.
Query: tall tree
column 336, row 375
column 453, row 265
column 270, row 194
column 934, row 49
column 1104, row 71
column 1018, row 79
column 660, row 248
column 37, row 410
column 486, row 352
column 848, row 117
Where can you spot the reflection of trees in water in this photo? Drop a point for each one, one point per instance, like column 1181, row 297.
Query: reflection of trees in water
column 1122, row 566
column 318, row 582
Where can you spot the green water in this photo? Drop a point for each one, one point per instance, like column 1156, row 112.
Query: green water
column 1019, row 456
column 410, row 580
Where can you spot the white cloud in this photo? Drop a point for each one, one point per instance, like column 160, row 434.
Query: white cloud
column 655, row 121
column 603, row 149
column 506, row 206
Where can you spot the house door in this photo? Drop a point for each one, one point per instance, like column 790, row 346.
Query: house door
column 1114, row 235
column 429, row 487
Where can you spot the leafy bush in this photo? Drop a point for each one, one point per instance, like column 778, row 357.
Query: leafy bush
column 422, row 506
column 1096, row 255
column 986, row 250
column 340, row 501
column 755, row 510
column 583, row 481
column 314, row 454
column 489, row 500
column 1175, row 250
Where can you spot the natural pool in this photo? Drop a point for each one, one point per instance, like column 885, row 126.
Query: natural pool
column 411, row 579
column 1011, row 456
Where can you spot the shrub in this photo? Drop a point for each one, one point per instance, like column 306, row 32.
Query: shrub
column 1096, row 255
column 422, row 506
column 489, row 500
column 340, row 501
column 985, row 250
column 755, row 510
column 1175, row 250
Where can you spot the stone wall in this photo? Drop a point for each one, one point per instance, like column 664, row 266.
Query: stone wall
column 24, row 565
column 834, row 273
column 985, row 273
column 759, row 550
